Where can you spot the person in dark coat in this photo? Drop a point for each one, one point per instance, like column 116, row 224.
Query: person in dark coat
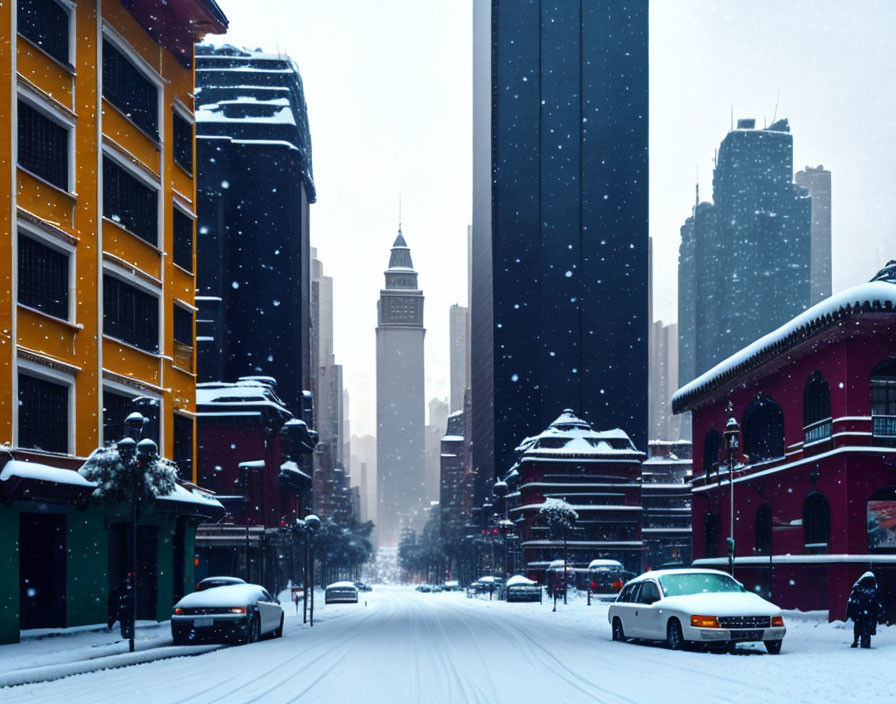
column 865, row 609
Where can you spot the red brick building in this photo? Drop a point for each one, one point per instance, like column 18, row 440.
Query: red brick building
column 599, row 475
column 815, row 472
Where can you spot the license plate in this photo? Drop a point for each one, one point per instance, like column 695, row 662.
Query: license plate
column 203, row 622
column 746, row 635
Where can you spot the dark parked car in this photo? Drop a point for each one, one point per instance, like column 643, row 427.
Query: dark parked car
column 234, row 613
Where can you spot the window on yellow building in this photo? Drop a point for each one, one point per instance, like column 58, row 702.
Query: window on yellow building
column 182, row 134
column 43, row 414
column 43, row 277
column 128, row 89
column 182, row 249
column 130, row 202
column 183, row 445
column 183, row 325
column 130, row 314
column 43, row 145
column 46, row 24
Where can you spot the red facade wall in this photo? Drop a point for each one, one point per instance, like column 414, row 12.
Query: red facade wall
column 846, row 468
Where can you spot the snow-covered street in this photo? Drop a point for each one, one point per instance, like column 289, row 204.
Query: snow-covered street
column 405, row 646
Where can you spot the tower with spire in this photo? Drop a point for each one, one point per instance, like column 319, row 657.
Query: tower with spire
column 400, row 398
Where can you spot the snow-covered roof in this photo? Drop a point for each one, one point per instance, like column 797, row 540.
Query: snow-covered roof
column 874, row 297
column 42, row 472
column 191, row 496
column 233, row 396
column 570, row 435
column 518, row 579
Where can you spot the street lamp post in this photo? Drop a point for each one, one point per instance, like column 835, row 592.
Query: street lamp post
column 732, row 440
column 500, row 490
column 312, row 523
column 134, row 457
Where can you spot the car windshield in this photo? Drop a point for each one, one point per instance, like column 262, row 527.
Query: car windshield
column 698, row 583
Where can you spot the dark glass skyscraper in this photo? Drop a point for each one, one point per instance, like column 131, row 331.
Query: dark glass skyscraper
column 744, row 260
column 559, row 305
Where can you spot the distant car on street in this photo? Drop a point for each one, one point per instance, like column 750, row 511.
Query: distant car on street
column 363, row 587
column 426, row 588
column 210, row 582
column 694, row 606
column 452, row 585
column 519, row 588
column 229, row 613
column 341, row 593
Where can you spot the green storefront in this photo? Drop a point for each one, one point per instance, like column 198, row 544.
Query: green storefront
column 61, row 553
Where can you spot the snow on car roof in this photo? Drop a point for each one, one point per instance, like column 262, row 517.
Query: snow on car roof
column 519, row 579
column 341, row 585
column 604, row 563
column 223, row 596
column 656, row 574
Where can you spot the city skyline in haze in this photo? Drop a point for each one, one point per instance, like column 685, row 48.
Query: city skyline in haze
column 389, row 90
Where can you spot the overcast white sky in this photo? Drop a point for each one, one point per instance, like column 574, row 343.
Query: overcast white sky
column 389, row 83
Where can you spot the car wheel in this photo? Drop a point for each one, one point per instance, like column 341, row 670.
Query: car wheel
column 773, row 646
column 618, row 632
column 279, row 632
column 674, row 638
column 253, row 632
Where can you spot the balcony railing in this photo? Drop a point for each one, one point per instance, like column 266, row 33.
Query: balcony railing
column 883, row 430
column 819, row 430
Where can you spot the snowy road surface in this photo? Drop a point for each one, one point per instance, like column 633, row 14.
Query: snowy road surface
column 405, row 646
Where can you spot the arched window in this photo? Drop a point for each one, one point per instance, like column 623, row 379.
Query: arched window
column 763, row 430
column 881, row 509
column 711, row 452
column 712, row 529
column 883, row 403
column 764, row 530
column 816, row 523
column 816, row 409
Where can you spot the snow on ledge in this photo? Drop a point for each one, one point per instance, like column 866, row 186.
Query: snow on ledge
column 42, row 472
column 876, row 296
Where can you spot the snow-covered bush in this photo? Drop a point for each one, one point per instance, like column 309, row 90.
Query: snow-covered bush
column 117, row 481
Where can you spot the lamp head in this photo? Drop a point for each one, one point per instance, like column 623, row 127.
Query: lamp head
column 500, row 489
column 134, row 423
column 312, row 522
column 126, row 447
column 147, row 449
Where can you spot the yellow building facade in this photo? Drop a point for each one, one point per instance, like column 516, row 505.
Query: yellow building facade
column 97, row 277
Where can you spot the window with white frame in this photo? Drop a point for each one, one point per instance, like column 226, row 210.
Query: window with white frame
column 129, row 89
column 129, row 201
column 130, row 314
column 44, row 145
column 44, row 282
column 46, row 23
column 44, row 408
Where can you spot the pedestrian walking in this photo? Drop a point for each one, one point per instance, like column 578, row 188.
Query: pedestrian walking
column 864, row 608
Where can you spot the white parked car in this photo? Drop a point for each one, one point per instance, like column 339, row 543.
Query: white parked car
column 687, row 606
column 341, row 593
column 240, row 613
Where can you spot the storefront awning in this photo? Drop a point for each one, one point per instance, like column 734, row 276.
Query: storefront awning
column 33, row 481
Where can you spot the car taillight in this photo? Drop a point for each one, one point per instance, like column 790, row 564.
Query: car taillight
column 179, row 611
column 238, row 610
column 777, row 621
column 705, row 622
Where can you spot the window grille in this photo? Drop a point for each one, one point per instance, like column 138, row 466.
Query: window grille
column 130, row 202
column 128, row 89
column 43, row 278
column 182, row 133
column 183, row 325
column 816, row 409
column 43, row 414
column 43, row 146
column 116, row 407
column 130, row 314
column 46, row 23
column 183, row 240
column 883, row 403
column 763, row 430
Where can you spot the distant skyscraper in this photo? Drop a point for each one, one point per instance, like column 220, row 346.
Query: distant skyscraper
column 560, row 177
column 399, row 398
column 744, row 260
column 252, row 250
column 457, row 321
column 663, row 425
column 818, row 182
column 435, row 429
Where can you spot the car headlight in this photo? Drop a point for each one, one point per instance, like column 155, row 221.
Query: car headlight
column 705, row 622
column 777, row 621
column 238, row 610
